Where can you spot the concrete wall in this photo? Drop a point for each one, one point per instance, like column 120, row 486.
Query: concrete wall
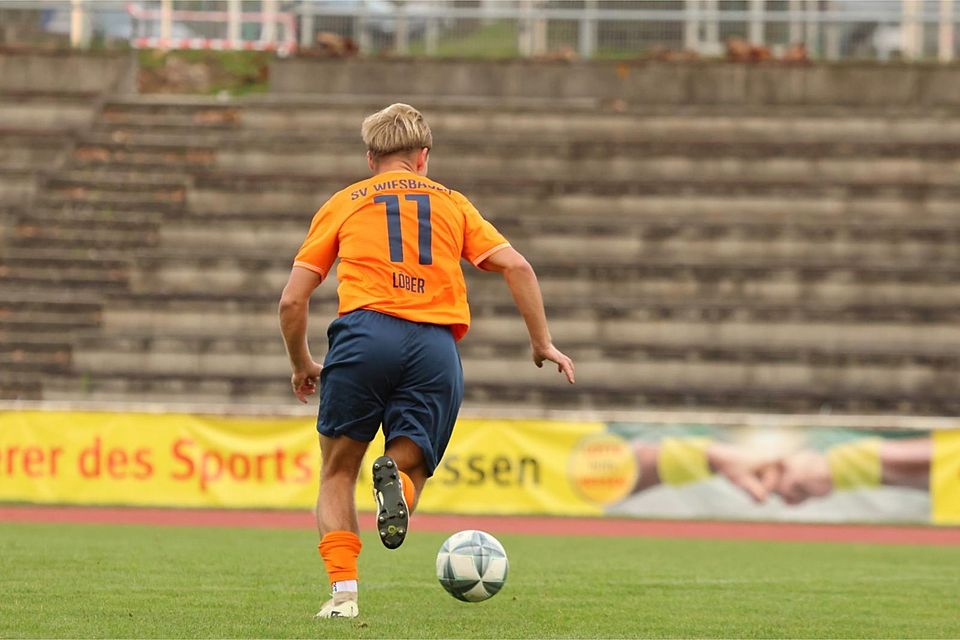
column 65, row 72
column 638, row 83
column 702, row 83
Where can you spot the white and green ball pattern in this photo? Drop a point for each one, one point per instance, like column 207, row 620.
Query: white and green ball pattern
column 472, row 565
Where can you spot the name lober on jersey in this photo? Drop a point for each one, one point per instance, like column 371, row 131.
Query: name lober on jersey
column 408, row 283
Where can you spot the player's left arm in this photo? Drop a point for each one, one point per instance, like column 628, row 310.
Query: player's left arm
column 294, row 312
column 523, row 285
column 488, row 250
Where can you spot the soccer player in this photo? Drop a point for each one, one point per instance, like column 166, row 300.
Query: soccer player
column 392, row 356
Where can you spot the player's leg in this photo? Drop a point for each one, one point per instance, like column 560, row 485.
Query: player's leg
column 339, row 530
column 409, row 458
column 418, row 421
column 398, row 476
column 356, row 376
column 341, row 458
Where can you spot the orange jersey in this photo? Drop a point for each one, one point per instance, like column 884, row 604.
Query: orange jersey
column 400, row 238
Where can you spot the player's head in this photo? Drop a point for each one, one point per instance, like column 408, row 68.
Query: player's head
column 398, row 135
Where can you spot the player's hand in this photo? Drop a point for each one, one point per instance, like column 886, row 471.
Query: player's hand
column 806, row 474
column 756, row 474
column 305, row 381
column 551, row 353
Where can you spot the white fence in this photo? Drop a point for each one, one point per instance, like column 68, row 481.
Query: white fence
column 831, row 29
column 827, row 29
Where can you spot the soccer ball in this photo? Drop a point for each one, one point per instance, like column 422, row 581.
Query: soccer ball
column 472, row 565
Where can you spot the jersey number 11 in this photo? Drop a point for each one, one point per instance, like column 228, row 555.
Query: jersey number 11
column 394, row 233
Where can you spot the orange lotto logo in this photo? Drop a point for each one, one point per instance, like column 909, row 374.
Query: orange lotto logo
column 602, row 468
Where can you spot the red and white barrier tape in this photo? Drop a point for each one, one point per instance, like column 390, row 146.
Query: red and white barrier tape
column 284, row 47
column 215, row 44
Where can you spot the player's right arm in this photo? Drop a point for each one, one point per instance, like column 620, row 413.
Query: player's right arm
column 522, row 281
column 310, row 268
column 294, row 310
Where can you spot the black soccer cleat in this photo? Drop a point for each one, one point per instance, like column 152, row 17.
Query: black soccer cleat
column 392, row 512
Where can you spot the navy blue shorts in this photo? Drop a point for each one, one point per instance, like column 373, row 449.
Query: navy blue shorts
column 384, row 370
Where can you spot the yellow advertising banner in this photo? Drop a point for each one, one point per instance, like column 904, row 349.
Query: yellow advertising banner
column 157, row 460
column 178, row 460
column 490, row 466
column 945, row 477
column 514, row 466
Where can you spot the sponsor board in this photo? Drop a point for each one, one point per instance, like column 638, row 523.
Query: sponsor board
column 493, row 467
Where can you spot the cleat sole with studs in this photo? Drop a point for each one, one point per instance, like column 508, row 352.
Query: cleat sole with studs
column 392, row 512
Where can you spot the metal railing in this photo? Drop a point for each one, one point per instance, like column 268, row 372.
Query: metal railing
column 830, row 29
column 564, row 29
column 155, row 24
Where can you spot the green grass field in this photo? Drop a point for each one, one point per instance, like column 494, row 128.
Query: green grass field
column 82, row 581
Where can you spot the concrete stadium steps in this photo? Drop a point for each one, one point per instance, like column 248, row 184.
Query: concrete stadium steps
column 930, row 218
column 79, row 198
column 80, row 228
column 866, row 365
column 32, row 150
column 61, row 112
column 160, row 360
column 144, row 146
column 642, row 225
column 650, row 237
column 75, row 195
column 244, row 387
column 660, row 182
column 842, row 377
column 727, row 325
column 597, row 159
column 641, row 232
column 828, row 208
column 761, row 289
column 651, row 226
column 129, row 190
column 635, row 384
column 916, row 180
column 701, row 260
column 247, row 389
column 651, row 125
column 26, row 315
column 848, row 380
column 35, row 353
column 785, row 259
column 8, row 220
column 130, row 180
column 466, row 171
column 20, row 385
column 589, row 315
column 270, row 344
column 113, row 156
column 461, row 167
column 799, row 251
column 17, row 186
column 201, row 315
column 548, row 234
column 282, row 197
column 281, row 237
column 749, row 398
column 51, row 268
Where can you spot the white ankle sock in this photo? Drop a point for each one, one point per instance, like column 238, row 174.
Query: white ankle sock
column 345, row 585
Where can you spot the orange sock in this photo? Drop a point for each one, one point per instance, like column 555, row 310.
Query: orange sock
column 339, row 550
column 409, row 491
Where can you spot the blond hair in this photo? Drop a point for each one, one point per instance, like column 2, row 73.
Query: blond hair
column 399, row 127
